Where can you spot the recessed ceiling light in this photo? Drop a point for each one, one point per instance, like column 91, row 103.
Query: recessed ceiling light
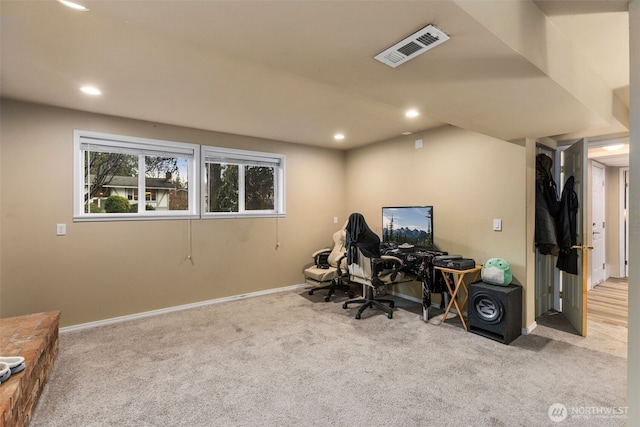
column 91, row 90
column 338, row 137
column 73, row 5
column 613, row 147
column 412, row 113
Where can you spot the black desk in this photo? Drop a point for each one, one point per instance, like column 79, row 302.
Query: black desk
column 419, row 262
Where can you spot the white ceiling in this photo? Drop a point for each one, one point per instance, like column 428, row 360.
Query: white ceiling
column 302, row 71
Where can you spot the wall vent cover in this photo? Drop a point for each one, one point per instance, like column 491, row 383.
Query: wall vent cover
column 414, row 45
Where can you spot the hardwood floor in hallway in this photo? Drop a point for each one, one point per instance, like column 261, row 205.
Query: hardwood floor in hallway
column 608, row 302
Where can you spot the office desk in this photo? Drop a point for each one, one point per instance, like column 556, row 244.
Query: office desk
column 418, row 262
column 474, row 273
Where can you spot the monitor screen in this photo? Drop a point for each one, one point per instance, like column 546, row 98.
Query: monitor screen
column 408, row 225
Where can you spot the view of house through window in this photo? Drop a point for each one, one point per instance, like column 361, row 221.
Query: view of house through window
column 104, row 173
column 112, row 183
column 126, row 177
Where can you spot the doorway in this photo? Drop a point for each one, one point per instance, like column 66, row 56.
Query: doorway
column 608, row 286
column 569, row 309
column 610, row 170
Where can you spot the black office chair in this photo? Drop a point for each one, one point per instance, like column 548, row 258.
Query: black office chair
column 367, row 267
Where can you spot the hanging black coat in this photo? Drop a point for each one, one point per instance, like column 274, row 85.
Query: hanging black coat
column 566, row 222
column 547, row 207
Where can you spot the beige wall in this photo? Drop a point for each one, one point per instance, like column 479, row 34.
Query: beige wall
column 469, row 178
column 101, row 270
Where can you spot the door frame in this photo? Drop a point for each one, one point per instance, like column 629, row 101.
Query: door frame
column 603, row 242
column 624, row 224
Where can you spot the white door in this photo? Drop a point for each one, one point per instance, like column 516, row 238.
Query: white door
column 574, row 286
column 598, row 225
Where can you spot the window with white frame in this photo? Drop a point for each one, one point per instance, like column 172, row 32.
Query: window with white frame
column 242, row 183
column 110, row 171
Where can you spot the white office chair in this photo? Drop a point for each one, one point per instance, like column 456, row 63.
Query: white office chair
column 330, row 268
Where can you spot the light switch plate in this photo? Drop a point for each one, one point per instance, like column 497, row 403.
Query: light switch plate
column 497, row 224
column 61, row 229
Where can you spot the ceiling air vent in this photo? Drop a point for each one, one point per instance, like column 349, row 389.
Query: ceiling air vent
column 414, row 45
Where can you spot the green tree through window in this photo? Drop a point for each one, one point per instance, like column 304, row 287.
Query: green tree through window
column 223, row 187
column 242, row 182
column 259, row 188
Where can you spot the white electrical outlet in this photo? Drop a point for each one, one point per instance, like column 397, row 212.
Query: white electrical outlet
column 497, row 224
column 61, row 229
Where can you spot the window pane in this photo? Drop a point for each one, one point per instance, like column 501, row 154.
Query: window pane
column 166, row 184
column 152, row 176
column 132, row 194
column 108, row 177
column 246, row 183
column 259, row 188
column 222, row 187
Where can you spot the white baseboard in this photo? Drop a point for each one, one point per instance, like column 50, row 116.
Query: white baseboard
column 530, row 328
column 144, row 314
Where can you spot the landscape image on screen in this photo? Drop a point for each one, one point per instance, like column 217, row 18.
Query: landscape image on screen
column 411, row 225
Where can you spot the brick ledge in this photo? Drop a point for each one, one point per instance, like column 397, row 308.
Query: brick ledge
column 34, row 337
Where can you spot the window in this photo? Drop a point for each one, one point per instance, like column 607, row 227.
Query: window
column 242, row 183
column 120, row 177
column 132, row 194
column 111, row 171
column 151, row 195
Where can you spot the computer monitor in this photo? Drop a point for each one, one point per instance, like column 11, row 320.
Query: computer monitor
column 408, row 225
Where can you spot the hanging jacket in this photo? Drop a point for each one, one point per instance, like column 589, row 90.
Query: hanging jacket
column 566, row 221
column 547, row 207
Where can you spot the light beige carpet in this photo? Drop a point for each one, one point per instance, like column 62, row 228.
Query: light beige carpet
column 289, row 359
